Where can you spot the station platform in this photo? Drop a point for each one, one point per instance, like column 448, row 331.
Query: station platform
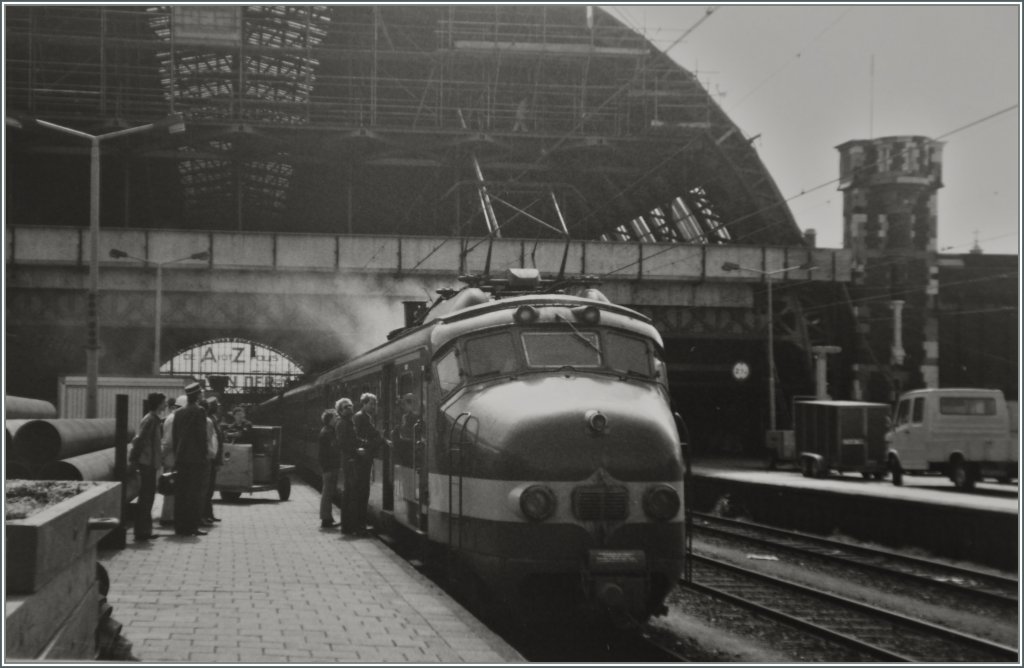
column 926, row 513
column 268, row 585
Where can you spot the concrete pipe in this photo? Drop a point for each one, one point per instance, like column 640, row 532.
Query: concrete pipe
column 22, row 408
column 17, row 469
column 43, row 441
column 98, row 465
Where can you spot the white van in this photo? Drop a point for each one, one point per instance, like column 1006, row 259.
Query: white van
column 965, row 434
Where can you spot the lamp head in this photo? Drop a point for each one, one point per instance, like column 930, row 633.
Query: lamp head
column 202, row 255
column 730, row 266
column 117, row 254
column 174, row 123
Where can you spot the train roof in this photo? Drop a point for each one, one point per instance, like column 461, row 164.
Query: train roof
column 472, row 308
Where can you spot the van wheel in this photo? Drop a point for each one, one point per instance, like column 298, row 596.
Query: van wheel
column 284, row 488
column 806, row 468
column 230, row 496
column 961, row 477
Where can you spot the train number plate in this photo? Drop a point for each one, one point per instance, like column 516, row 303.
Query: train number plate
column 616, row 561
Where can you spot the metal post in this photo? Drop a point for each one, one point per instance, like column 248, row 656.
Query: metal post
column 158, row 317
column 92, row 365
column 771, row 356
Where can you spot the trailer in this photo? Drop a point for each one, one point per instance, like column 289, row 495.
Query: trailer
column 841, row 436
column 71, row 391
column 252, row 463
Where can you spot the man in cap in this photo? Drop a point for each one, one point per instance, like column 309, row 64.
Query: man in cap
column 145, row 457
column 189, row 444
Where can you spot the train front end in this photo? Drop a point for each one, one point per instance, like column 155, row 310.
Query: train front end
column 558, row 477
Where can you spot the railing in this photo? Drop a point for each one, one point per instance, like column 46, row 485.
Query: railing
column 618, row 261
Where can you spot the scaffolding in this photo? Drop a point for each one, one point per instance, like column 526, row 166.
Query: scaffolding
column 281, row 96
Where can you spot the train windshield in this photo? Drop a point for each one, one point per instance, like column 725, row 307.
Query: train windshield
column 493, row 354
column 628, row 354
column 574, row 348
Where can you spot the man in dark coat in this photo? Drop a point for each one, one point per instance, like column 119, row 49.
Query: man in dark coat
column 192, row 463
column 369, row 442
column 145, row 457
column 329, row 455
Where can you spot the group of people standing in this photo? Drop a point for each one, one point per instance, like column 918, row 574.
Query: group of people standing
column 185, row 436
column 348, row 443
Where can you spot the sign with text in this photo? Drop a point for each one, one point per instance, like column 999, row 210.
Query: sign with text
column 248, row 366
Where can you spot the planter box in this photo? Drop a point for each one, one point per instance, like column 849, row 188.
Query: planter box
column 42, row 545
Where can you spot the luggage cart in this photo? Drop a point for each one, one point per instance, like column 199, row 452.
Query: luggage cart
column 252, row 463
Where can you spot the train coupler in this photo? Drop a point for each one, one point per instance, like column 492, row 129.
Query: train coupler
column 618, row 582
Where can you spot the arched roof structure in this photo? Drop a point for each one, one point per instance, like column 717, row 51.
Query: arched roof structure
column 516, row 120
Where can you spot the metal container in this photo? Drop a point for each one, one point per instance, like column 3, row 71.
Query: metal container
column 71, row 392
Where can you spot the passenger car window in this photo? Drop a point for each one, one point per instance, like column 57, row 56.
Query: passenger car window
column 575, row 348
column 447, row 370
column 627, row 354
column 491, row 354
column 967, row 405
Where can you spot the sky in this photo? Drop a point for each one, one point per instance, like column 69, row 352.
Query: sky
column 807, row 78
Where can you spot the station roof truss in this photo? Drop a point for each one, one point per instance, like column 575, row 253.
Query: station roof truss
column 435, row 120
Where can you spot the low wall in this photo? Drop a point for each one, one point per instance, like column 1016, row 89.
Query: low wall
column 979, row 536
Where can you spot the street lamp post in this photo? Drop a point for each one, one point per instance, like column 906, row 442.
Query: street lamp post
column 732, row 266
column 158, row 317
column 174, row 123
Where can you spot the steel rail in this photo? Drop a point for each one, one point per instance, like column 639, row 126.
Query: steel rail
column 996, row 651
column 998, row 584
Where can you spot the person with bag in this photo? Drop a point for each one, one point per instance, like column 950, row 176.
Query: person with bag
column 145, row 458
column 167, row 461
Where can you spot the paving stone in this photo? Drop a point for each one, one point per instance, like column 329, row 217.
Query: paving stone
column 266, row 585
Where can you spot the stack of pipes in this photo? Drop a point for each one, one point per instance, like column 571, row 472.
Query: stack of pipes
column 41, row 446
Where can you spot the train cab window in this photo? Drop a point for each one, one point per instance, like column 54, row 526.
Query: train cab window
column 492, row 354
column 661, row 370
column 573, row 348
column 628, row 355
column 447, row 371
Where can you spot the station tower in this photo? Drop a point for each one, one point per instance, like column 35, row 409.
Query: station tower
column 890, row 191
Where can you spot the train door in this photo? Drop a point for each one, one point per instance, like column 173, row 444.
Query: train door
column 409, row 456
column 386, row 414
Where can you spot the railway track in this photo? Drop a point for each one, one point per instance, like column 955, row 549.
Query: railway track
column 861, row 629
column 960, row 581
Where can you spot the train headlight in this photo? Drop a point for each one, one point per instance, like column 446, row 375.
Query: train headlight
column 537, row 503
column 526, row 315
column 588, row 315
column 661, row 503
column 597, row 421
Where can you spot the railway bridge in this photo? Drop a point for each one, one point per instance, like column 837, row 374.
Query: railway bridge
column 322, row 298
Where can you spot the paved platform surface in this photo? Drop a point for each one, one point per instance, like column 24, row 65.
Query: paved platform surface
column 932, row 489
column 267, row 584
